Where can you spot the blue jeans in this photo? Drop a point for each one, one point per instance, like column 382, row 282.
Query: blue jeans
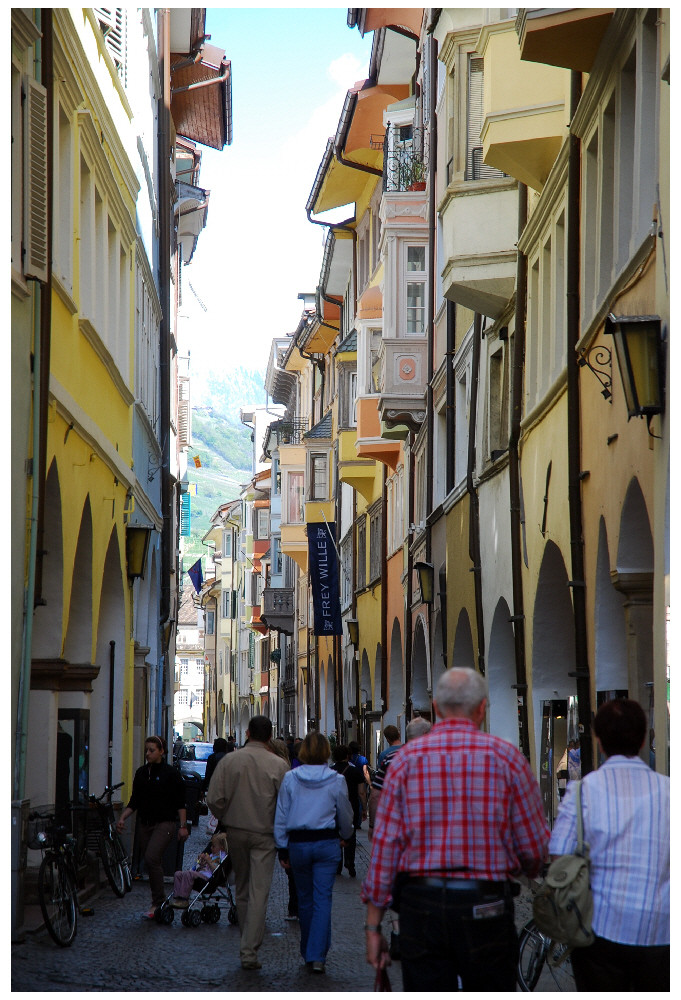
column 441, row 943
column 314, row 864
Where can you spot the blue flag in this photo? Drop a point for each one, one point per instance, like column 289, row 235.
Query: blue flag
column 195, row 575
column 324, row 579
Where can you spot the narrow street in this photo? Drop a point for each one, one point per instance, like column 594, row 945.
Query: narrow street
column 116, row 951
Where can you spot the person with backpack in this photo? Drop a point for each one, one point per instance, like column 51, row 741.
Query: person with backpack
column 358, row 759
column 625, row 809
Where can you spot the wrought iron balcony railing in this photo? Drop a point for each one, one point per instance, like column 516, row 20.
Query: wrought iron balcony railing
column 289, row 431
column 405, row 159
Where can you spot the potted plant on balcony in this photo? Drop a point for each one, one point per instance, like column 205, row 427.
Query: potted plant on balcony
column 418, row 176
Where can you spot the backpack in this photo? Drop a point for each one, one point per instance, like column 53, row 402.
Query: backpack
column 563, row 905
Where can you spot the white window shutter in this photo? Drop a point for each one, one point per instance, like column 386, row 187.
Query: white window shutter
column 112, row 21
column 35, row 181
column 183, row 413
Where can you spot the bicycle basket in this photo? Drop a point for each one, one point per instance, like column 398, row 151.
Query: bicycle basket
column 39, row 829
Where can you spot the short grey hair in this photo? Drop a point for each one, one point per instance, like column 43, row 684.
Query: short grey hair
column 418, row 727
column 459, row 691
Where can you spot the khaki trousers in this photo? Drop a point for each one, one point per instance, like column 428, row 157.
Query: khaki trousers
column 253, row 856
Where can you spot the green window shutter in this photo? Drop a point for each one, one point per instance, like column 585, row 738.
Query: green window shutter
column 185, row 514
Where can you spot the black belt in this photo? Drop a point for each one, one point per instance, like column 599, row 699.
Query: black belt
column 303, row 836
column 464, row 886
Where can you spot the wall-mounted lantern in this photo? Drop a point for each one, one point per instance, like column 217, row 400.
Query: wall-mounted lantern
column 640, row 357
column 353, row 631
column 426, row 577
column 137, row 538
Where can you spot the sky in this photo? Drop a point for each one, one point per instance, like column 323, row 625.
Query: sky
column 291, row 70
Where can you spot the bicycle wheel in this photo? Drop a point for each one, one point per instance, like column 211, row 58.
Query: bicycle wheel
column 531, row 957
column 58, row 902
column 112, row 867
column 562, row 974
column 122, row 859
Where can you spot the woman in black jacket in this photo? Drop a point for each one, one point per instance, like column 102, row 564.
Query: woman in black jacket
column 158, row 797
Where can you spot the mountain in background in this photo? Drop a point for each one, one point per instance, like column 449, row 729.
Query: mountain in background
column 222, row 443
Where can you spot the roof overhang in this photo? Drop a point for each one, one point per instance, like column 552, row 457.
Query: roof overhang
column 201, row 96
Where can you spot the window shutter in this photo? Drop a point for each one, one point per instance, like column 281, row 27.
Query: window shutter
column 35, row 179
column 185, row 514
column 183, row 412
column 475, row 168
column 113, row 24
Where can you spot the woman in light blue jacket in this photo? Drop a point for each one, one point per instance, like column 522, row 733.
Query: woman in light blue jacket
column 313, row 819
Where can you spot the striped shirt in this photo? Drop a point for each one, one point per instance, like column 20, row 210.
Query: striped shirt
column 625, row 808
column 456, row 801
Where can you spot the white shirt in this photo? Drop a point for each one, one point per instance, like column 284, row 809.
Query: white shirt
column 625, row 809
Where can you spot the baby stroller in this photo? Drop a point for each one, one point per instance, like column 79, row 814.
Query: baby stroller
column 205, row 906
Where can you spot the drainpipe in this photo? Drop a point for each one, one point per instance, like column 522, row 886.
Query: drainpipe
column 112, row 661
column 450, row 387
column 474, row 511
column 164, row 334
column 384, row 594
column 432, row 163
column 518, row 618
column 578, row 583
column 408, row 637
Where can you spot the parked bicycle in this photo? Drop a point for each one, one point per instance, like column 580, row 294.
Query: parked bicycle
column 109, row 844
column 57, row 876
column 538, row 952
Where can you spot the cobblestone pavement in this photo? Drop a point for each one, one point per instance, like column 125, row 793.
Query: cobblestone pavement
column 116, row 951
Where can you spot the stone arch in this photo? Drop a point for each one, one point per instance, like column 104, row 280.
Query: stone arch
column 396, row 697
column 463, row 654
column 420, row 671
column 438, row 663
column 378, row 699
column 553, row 636
column 610, row 624
column 501, row 676
column 633, row 578
column 110, row 628
column 78, row 640
column 48, row 617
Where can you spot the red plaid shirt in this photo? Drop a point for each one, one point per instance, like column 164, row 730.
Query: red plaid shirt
column 456, row 801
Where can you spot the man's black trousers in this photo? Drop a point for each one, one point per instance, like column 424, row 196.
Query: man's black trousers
column 449, row 943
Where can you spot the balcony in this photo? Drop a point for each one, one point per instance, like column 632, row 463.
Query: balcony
column 403, row 365
column 405, row 158
column 278, row 609
column 370, row 443
column 569, row 37
column 287, row 432
column 526, row 109
column 480, row 232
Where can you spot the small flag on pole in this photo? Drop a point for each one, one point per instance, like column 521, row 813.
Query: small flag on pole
column 195, row 575
column 197, row 461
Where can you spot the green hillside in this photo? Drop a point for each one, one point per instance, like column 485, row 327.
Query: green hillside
column 223, row 445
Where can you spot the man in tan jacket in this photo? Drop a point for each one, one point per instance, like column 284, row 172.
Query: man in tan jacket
column 243, row 795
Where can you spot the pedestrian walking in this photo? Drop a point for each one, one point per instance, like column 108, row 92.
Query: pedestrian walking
column 357, row 795
column 158, row 798
column 625, row 810
column 391, row 735
column 460, row 814
column 313, row 817
column 417, row 727
column 219, row 751
column 243, row 795
column 279, row 747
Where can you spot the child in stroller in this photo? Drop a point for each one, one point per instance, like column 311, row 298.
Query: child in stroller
column 210, row 878
column 206, row 864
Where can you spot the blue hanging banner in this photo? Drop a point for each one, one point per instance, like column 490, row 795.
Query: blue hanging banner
column 324, row 579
